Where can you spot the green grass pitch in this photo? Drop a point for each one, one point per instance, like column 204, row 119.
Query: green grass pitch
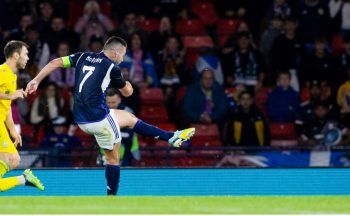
column 175, row 205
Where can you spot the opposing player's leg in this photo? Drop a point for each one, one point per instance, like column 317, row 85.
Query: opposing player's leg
column 8, row 162
column 10, row 159
column 128, row 120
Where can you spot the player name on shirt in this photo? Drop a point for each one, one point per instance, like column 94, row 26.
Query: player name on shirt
column 93, row 60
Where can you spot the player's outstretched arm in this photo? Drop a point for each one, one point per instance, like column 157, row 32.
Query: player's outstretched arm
column 51, row 66
column 127, row 90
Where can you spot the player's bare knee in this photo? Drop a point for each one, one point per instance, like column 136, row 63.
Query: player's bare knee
column 133, row 120
column 15, row 160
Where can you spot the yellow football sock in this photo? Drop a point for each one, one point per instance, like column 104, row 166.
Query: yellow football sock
column 8, row 183
column 4, row 168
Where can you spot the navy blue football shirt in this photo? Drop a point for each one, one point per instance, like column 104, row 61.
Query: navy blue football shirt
column 94, row 72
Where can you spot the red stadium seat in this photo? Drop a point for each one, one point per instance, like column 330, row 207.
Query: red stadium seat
column 261, row 99
column 191, row 58
column 205, row 133
column 28, row 135
column 208, row 143
column 205, row 11
column 190, row 27
column 87, row 140
column 180, row 94
column 197, row 42
column 152, row 96
column 337, row 45
column 227, row 26
column 167, row 126
column 282, row 131
column 154, row 114
column 149, row 25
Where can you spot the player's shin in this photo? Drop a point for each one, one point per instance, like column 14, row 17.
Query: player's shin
column 148, row 130
column 11, row 182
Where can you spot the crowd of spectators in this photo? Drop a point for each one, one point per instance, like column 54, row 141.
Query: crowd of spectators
column 294, row 54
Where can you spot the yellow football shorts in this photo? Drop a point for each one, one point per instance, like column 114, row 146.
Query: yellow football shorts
column 6, row 144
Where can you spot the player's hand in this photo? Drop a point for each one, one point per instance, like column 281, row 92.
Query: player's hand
column 18, row 94
column 32, row 86
column 17, row 139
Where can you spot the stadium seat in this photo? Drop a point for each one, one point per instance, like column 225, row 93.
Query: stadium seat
column 337, row 45
column 152, row 96
column 27, row 133
column 149, row 25
column 191, row 58
column 261, row 99
column 167, row 126
column 197, row 42
column 87, row 140
column 205, row 133
column 227, row 26
column 190, row 27
column 180, row 94
column 154, row 114
column 205, row 11
column 208, row 143
column 282, row 131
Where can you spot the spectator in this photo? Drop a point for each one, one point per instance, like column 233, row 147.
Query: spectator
column 140, row 64
column 46, row 13
column 208, row 59
column 95, row 44
column 48, row 106
column 340, row 12
column 63, row 77
column 129, row 27
column 59, row 144
column 39, row 51
column 322, row 129
column 171, row 68
column 247, row 125
column 18, row 33
column 319, row 65
column 279, row 8
column 344, row 60
column 244, row 66
column 58, row 32
column 268, row 37
column 231, row 43
column 159, row 38
column 283, row 102
column 129, row 138
column 205, row 101
column 287, row 49
column 92, row 23
column 133, row 101
column 343, row 99
column 313, row 18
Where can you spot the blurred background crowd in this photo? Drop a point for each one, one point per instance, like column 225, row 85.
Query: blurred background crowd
column 245, row 73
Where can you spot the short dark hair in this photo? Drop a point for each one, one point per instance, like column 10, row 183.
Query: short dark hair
column 14, row 46
column 284, row 72
column 111, row 92
column 245, row 93
column 114, row 40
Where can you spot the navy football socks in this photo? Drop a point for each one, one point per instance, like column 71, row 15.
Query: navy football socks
column 148, row 130
column 112, row 177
